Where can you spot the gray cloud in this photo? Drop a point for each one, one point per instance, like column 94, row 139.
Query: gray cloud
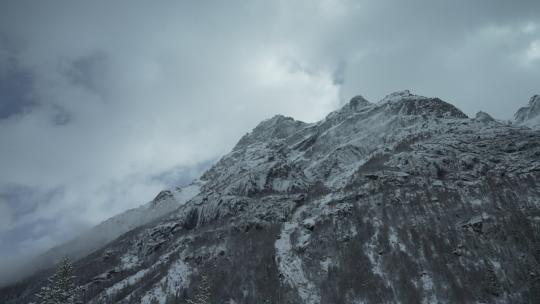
column 15, row 85
column 105, row 103
column 87, row 71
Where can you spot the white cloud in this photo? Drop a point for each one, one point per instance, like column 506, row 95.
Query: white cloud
column 533, row 51
column 530, row 27
column 139, row 95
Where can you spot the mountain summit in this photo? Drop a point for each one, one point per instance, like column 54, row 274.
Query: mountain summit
column 406, row 200
column 530, row 115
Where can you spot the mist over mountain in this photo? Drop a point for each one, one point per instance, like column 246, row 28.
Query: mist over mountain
column 404, row 200
column 166, row 201
column 103, row 104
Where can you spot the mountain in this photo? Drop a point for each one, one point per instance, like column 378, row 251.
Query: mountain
column 406, row 200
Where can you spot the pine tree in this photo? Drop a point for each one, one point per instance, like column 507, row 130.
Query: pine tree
column 61, row 287
column 203, row 293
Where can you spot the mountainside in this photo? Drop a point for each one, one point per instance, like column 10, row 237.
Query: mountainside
column 165, row 202
column 97, row 237
column 406, row 200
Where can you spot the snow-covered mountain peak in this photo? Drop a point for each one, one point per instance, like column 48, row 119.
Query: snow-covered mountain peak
column 275, row 128
column 358, row 102
column 483, row 117
column 162, row 196
column 398, row 96
column 276, row 120
column 529, row 115
column 406, row 103
column 534, row 101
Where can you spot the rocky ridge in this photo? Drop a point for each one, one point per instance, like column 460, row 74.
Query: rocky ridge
column 406, row 200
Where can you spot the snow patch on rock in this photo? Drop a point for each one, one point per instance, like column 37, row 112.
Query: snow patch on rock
column 290, row 264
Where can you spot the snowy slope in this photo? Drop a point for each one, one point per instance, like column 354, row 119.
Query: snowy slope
column 97, row 237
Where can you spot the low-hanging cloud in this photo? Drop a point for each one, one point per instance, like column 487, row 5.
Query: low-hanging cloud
column 103, row 104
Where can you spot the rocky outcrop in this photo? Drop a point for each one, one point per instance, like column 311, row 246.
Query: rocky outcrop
column 405, row 103
column 529, row 115
column 484, row 117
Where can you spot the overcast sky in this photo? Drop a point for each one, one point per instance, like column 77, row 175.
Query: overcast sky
column 104, row 103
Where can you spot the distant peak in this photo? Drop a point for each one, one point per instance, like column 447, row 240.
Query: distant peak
column 530, row 112
column 405, row 103
column 277, row 121
column 398, row 95
column 162, row 196
column 277, row 127
column 357, row 102
column 277, row 118
column 401, row 93
column 534, row 101
column 484, row 117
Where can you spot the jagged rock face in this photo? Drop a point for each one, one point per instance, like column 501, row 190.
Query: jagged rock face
column 405, row 103
column 530, row 115
column 358, row 102
column 484, row 117
column 402, row 201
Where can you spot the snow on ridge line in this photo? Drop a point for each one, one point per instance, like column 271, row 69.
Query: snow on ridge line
column 108, row 230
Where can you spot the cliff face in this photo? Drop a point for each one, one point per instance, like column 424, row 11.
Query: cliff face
column 530, row 115
column 402, row 201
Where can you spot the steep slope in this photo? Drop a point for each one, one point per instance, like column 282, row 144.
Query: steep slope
column 401, row 201
column 530, row 115
column 97, row 237
column 164, row 203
